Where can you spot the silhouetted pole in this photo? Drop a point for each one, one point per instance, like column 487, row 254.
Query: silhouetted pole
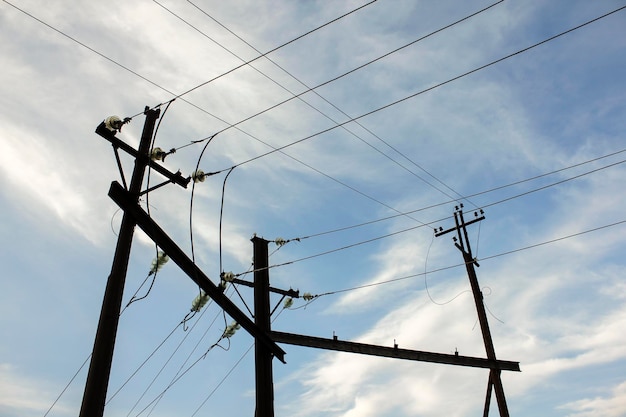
column 97, row 383
column 463, row 244
column 262, row 354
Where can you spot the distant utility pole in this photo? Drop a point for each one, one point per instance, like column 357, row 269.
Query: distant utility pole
column 463, row 244
column 94, row 396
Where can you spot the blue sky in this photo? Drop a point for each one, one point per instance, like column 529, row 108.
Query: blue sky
column 558, row 308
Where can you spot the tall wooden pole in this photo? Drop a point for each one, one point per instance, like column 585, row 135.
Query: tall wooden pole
column 262, row 354
column 97, row 383
column 494, row 375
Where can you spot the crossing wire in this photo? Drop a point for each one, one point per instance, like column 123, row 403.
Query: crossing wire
column 465, row 74
column 328, row 252
column 312, row 89
column 275, row 48
column 500, row 187
column 482, row 259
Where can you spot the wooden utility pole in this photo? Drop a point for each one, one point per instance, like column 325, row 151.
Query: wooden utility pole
column 102, row 355
column 463, row 244
column 266, row 347
column 262, row 355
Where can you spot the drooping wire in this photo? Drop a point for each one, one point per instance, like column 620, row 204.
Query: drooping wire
column 222, row 216
column 426, row 280
column 158, row 257
column 193, row 188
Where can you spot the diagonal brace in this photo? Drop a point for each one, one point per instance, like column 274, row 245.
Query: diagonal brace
column 176, row 254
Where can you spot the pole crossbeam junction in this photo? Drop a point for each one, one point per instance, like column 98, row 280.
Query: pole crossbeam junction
column 96, row 386
column 264, row 383
column 462, row 243
column 266, row 348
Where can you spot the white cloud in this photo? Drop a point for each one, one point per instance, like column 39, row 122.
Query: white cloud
column 609, row 406
column 25, row 395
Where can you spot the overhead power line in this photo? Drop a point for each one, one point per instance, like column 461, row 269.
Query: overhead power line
column 500, row 187
column 482, row 259
column 374, row 239
column 465, row 74
column 273, row 49
column 312, row 89
column 201, row 109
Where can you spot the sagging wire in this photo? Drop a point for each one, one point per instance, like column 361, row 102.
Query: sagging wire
column 142, row 364
column 161, row 258
column 112, row 219
column 172, row 355
column 157, row 263
column 230, row 371
column 197, row 176
column 487, row 308
column 426, row 280
column 222, row 216
column 228, row 332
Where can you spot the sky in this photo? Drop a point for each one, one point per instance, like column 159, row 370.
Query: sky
column 384, row 121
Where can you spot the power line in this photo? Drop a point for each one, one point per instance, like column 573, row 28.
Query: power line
column 328, row 252
column 465, row 74
column 111, row 60
column 340, row 229
column 301, row 99
column 230, row 371
column 274, row 49
column 199, row 108
column 312, row 89
column 547, row 242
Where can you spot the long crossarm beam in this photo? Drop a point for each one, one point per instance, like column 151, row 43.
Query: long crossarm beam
column 392, row 352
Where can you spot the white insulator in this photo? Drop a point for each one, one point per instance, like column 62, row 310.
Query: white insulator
column 231, row 329
column 228, row 276
column 157, row 154
column 113, row 123
column 308, row 296
column 280, row 241
column 158, row 262
column 288, row 302
column 198, row 176
column 199, row 302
